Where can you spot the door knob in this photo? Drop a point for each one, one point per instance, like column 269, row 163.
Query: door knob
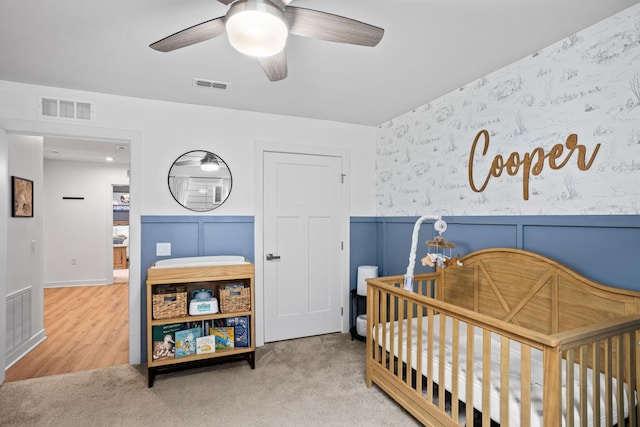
column 271, row 257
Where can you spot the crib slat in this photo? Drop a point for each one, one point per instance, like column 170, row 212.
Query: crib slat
column 569, row 380
column 486, row 375
column 505, row 389
column 525, row 384
column 430, row 347
column 597, row 366
column 634, row 380
column 382, row 324
column 455, row 357
column 392, row 334
column 401, row 337
column 442, row 339
column 409, row 348
column 608, row 388
column 384, row 298
column 420, row 352
column 629, row 377
column 583, row 385
column 372, row 331
column 469, row 377
column 620, row 376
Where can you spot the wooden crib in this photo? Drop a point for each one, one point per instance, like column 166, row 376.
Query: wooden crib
column 491, row 341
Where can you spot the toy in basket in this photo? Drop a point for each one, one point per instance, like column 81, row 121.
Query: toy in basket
column 235, row 298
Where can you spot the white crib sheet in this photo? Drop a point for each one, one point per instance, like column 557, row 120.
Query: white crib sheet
column 514, row 367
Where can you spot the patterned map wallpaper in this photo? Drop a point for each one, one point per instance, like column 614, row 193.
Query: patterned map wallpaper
column 587, row 85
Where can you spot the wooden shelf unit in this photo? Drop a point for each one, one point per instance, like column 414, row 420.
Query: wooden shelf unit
column 193, row 278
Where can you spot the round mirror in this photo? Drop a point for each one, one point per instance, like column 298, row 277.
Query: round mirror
column 199, row 180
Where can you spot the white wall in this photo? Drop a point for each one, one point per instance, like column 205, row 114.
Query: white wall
column 169, row 129
column 78, row 233
column 24, row 242
column 160, row 132
column 587, row 84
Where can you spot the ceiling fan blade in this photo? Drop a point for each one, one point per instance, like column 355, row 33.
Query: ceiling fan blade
column 334, row 28
column 192, row 35
column 275, row 67
column 284, row 2
column 187, row 163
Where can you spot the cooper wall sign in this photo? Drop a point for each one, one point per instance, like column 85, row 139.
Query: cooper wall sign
column 527, row 163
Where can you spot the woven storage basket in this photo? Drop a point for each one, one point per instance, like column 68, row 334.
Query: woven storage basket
column 170, row 303
column 234, row 300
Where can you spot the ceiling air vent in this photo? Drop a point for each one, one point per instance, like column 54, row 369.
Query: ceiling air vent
column 58, row 108
column 210, row 84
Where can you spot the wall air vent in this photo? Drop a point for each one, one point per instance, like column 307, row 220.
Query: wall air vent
column 65, row 109
column 210, row 84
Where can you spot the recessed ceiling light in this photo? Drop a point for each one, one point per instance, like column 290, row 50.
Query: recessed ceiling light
column 109, row 159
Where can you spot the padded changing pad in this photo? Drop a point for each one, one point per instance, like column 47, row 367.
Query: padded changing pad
column 200, row 261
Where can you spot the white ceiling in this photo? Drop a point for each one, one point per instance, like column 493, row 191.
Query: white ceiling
column 81, row 150
column 430, row 47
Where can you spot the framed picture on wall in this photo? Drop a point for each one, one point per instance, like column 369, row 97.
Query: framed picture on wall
column 21, row 197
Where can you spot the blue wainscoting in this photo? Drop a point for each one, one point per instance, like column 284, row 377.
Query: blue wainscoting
column 604, row 248
column 191, row 236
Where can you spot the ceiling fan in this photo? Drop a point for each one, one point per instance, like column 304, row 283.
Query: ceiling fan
column 260, row 28
column 206, row 160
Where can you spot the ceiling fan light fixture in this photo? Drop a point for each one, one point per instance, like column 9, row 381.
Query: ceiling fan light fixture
column 209, row 163
column 256, row 28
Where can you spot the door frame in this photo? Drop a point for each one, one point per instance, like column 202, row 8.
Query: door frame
column 4, row 216
column 134, row 138
column 260, row 148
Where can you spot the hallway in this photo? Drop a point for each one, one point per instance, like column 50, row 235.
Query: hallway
column 87, row 327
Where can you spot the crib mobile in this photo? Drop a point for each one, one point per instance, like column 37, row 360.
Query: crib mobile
column 440, row 256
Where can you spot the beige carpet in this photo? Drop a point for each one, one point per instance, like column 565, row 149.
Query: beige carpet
column 315, row 381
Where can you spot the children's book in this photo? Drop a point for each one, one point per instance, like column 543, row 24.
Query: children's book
column 223, row 336
column 206, row 344
column 241, row 330
column 186, row 342
column 164, row 340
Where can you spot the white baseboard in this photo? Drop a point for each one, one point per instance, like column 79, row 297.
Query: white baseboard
column 24, row 349
column 68, row 283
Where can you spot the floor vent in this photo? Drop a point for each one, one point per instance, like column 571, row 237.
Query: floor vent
column 210, row 84
column 64, row 109
column 18, row 319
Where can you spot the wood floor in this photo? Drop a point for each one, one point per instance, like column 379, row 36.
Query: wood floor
column 87, row 327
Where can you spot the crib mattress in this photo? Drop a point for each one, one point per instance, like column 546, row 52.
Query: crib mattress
column 514, row 367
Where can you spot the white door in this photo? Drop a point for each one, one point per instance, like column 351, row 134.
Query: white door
column 302, row 245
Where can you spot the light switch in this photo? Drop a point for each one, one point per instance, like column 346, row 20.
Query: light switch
column 33, row 247
column 163, row 249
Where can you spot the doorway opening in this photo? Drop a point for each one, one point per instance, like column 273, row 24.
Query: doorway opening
column 121, row 237
column 87, row 324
